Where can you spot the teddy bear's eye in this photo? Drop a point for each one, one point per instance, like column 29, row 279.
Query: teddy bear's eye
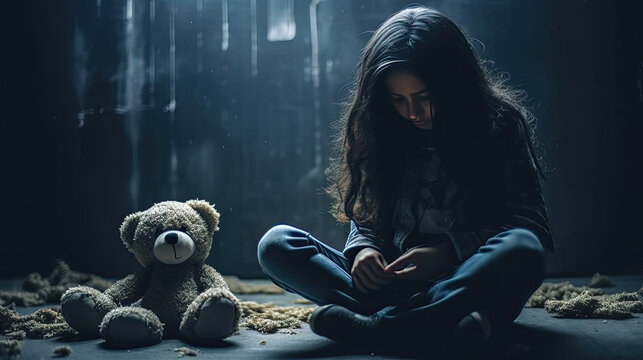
column 184, row 229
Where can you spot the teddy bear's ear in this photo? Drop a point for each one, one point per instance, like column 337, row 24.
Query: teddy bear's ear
column 128, row 227
column 207, row 212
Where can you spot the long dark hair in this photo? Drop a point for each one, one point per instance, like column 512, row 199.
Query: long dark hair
column 371, row 137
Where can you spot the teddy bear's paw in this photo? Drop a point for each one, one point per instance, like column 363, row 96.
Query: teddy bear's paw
column 216, row 319
column 129, row 327
column 211, row 317
column 83, row 309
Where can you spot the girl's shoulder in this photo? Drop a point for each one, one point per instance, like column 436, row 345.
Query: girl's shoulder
column 507, row 126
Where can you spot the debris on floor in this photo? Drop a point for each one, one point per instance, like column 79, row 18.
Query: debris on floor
column 46, row 323
column 586, row 305
column 11, row 345
column 184, row 351
column 37, row 290
column 569, row 301
column 269, row 318
column 15, row 335
column 62, row 351
column 600, row 281
column 262, row 342
column 558, row 291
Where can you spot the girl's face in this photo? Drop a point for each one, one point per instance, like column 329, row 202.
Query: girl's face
column 410, row 97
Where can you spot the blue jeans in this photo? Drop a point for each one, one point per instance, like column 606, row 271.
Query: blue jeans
column 497, row 280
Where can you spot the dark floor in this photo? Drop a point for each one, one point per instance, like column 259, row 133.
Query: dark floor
column 535, row 335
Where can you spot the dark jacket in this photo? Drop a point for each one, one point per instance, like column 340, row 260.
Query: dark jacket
column 502, row 192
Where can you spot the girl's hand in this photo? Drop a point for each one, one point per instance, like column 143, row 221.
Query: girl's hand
column 424, row 263
column 368, row 270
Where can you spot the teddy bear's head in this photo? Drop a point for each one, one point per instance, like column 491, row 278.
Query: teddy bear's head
column 171, row 232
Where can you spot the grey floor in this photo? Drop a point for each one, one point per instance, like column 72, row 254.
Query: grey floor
column 536, row 334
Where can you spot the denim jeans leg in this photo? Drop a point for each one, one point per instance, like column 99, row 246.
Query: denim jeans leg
column 297, row 262
column 497, row 280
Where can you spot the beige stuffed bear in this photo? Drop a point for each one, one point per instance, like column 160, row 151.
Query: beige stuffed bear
column 179, row 295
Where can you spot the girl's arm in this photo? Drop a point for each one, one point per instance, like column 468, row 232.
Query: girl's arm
column 522, row 204
column 362, row 236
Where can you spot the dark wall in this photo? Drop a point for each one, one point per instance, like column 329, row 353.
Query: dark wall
column 99, row 120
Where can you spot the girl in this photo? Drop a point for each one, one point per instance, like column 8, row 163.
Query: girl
column 435, row 170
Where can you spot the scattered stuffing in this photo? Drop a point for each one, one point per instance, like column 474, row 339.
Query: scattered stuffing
column 599, row 281
column 10, row 348
column 269, row 318
column 46, row 323
column 262, row 342
column 300, row 301
column 16, row 335
column 22, row 298
column 238, row 287
column 183, row 351
column 62, row 351
column 11, row 344
column 571, row 301
column 37, row 290
column 558, row 291
column 586, row 305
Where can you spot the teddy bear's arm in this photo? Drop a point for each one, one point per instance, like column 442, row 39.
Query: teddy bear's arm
column 209, row 278
column 128, row 289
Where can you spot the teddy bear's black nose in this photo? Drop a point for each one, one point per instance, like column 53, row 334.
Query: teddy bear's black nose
column 171, row 238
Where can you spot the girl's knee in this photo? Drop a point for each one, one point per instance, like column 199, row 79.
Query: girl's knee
column 272, row 240
column 272, row 245
column 525, row 244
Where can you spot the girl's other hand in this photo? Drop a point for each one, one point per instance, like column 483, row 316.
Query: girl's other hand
column 368, row 270
column 424, row 263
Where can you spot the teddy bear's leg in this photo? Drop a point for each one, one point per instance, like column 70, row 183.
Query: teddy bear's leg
column 129, row 327
column 212, row 316
column 83, row 309
column 216, row 319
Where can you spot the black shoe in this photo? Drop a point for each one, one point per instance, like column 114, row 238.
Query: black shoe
column 471, row 337
column 343, row 325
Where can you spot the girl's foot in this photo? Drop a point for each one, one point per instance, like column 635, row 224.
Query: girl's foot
column 343, row 325
column 471, row 336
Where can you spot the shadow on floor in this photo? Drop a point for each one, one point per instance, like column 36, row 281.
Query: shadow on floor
column 521, row 342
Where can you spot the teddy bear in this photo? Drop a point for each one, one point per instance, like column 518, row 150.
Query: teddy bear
column 174, row 295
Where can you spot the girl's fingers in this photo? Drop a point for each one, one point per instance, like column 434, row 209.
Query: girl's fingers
column 369, row 279
column 406, row 273
column 369, row 274
column 378, row 272
column 399, row 263
column 377, row 277
column 366, row 281
column 382, row 261
column 379, row 266
column 358, row 283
